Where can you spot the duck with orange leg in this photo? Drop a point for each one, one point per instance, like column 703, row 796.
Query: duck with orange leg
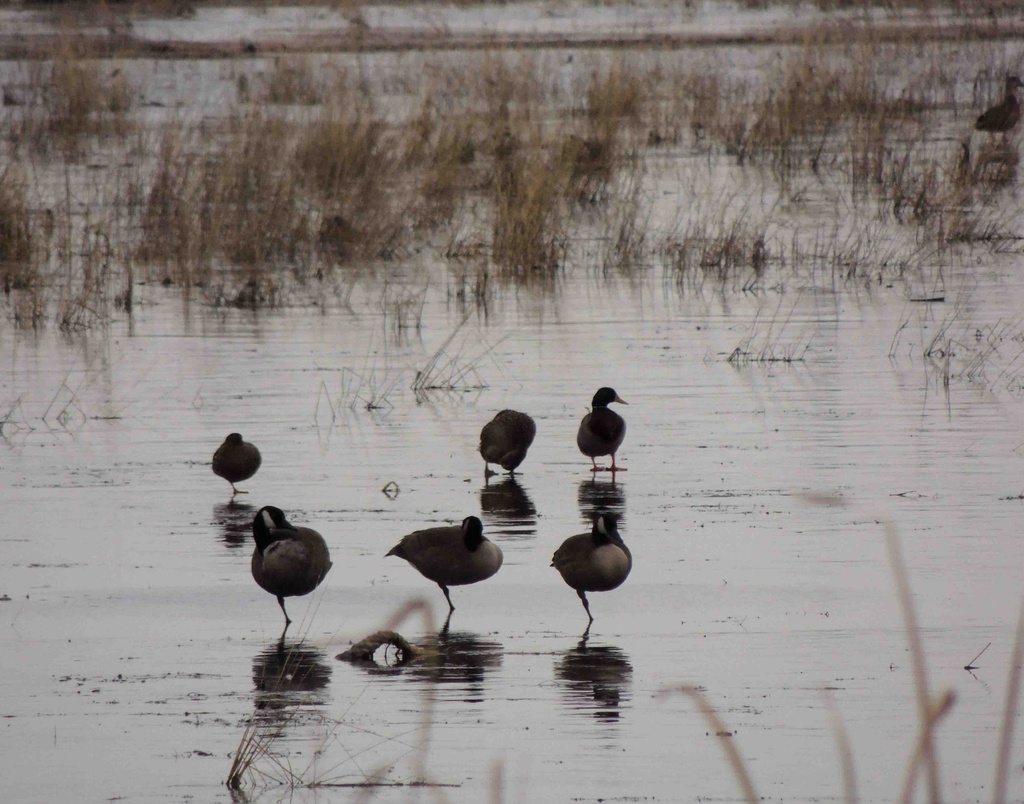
column 602, row 430
column 236, row 460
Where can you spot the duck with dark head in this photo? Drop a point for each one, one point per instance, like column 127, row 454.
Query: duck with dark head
column 236, row 460
column 453, row 555
column 1004, row 116
column 598, row 561
column 602, row 430
column 288, row 561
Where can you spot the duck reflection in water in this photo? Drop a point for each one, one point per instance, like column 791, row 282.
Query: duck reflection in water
column 461, row 661
column 234, row 521
column 596, row 496
column 595, row 679
column 508, row 508
column 288, row 675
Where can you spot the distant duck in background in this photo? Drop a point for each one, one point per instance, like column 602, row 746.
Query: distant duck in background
column 602, row 430
column 1004, row 116
column 236, row 460
column 452, row 555
column 505, row 440
column 288, row 561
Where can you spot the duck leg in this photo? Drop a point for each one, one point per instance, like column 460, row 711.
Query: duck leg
column 586, row 606
column 451, row 606
column 616, row 468
column 235, row 491
column 287, row 619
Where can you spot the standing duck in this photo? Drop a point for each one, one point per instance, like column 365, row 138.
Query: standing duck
column 236, row 460
column 602, row 430
column 1002, row 117
column 505, row 440
column 288, row 561
column 454, row 555
column 594, row 562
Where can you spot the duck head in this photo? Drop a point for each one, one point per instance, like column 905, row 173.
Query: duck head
column 472, row 532
column 267, row 519
column 606, row 528
column 605, row 396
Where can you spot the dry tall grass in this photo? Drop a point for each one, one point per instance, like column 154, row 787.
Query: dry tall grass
column 233, row 200
column 20, row 258
column 63, row 104
column 530, row 233
column 348, row 162
column 293, row 81
column 505, row 164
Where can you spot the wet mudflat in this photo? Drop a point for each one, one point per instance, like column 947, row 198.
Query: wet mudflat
column 139, row 646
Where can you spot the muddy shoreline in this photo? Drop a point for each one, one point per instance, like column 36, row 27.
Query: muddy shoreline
column 358, row 39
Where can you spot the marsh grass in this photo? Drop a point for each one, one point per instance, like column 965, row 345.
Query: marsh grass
column 84, row 301
column 718, row 245
column 800, row 113
column 369, row 389
column 263, row 191
column 173, row 232
column 401, row 304
column 347, row 159
column 506, row 173
column 626, row 224
column 19, row 266
column 509, row 88
column 448, row 369
column 261, row 215
column 67, row 102
column 531, row 218
column 615, row 97
column 235, row 202
column 769, row 341
column 293, row 81
column 442, row 154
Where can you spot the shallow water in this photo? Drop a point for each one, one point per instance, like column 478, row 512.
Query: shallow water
column 139, row 645
column 754, row 501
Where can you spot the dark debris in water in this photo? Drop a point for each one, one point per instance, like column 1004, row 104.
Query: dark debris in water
column 363, row 650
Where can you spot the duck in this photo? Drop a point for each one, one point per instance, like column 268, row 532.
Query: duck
column 602, row 430
column 505, row 439
column 453, row 555
column 598, row 561
column 1002, row 117
column 236, row 460
column 288, row 561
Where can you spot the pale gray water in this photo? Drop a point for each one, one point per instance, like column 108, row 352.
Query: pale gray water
column 137, row 646
column 135, row 631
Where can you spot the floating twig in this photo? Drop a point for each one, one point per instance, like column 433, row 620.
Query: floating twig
column 363, row 650
column 970, row 665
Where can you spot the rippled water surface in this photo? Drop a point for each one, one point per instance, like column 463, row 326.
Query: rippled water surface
column 138, row 652
column 138, row 646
